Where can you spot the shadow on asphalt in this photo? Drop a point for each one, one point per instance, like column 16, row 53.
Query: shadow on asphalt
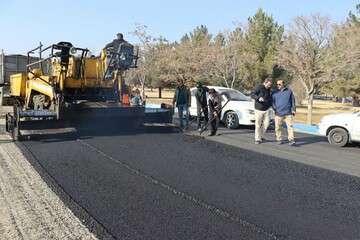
column 305, row 139
column 300, row 141
column 46, row 131
column 353, row 145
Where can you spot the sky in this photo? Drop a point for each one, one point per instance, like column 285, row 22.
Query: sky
column 93, row 23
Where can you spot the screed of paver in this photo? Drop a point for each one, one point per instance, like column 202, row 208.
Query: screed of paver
column 29, row 209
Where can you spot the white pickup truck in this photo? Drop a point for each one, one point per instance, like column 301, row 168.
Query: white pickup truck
column 341, row 128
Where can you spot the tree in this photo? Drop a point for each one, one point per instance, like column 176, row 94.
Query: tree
column 141, row 73
column 353, row 18
column 185, row 38
column 189, row 60
column 303, row 53
column 200, row 34
column 344, row 60
column 230, row 60
column 263, row 37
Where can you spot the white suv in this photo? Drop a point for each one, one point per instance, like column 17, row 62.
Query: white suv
column 341, row 128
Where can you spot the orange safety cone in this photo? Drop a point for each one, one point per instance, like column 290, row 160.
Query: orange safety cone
column 125, row 99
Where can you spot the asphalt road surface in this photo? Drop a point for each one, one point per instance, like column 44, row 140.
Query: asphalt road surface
column 157, row 183
column 310, row 149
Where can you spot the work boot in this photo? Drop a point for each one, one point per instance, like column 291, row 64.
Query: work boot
column 257, row 142
column 292, row 143
column 211, row 134
column 279, row 142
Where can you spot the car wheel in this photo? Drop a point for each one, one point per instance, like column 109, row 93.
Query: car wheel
column 231, row 120
column 338, row 137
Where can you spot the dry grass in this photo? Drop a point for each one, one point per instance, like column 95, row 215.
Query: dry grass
column 320, row 109
column 153, row 96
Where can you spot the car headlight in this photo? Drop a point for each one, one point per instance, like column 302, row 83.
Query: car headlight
column 251, row 112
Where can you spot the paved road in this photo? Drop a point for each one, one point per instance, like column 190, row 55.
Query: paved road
column 156, row 183
column 311, row 149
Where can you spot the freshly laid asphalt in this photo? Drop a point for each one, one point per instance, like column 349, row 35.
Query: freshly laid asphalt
column 157, row 183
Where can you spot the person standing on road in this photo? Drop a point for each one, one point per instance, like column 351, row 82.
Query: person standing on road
column 201, row 104
column 262, row 97
column 136, row 99
column 214, row 111
column 182, row 100
column 283, row 103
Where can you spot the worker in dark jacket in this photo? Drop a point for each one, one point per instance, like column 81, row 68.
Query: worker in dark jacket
column 111, row 61
column 214, row 111
column 182, row 100
column 262, row 97
column 201, row 104
column 116, row 42
column 283, row 103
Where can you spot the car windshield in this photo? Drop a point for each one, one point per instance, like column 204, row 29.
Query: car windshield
column 234, row 95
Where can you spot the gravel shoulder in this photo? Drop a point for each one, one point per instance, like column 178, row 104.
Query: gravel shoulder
column 29, row 209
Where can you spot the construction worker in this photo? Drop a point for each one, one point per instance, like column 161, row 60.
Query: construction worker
column 136, row 99
column 111, row 61
column 116, row 42
column 214, row 110
column 201, row 104
column 182, row 100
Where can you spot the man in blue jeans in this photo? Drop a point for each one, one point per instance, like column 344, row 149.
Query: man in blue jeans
column 182, row 100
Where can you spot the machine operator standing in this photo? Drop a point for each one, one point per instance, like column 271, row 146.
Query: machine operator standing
column 116, row 42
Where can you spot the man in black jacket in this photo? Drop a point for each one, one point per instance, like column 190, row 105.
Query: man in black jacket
column 201, row 104
column 263, row 101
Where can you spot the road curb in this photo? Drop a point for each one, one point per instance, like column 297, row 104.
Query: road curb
column 306, row 128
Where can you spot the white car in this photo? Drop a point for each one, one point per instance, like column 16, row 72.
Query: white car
column 238, row 111
column 341, row 128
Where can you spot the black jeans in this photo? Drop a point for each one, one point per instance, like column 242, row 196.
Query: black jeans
column 204, row 110
column 214, row 122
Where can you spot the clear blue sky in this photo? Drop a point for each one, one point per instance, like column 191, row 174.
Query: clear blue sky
column 92, row 23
